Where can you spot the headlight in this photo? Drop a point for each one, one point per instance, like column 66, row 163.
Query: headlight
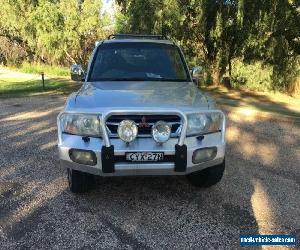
column 81, row 124
column 204, row 123
column 127, row 130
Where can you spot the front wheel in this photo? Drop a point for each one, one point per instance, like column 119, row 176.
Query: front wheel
column 207, row 177
column 79, row 182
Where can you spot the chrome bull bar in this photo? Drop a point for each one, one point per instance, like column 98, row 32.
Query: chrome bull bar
column 106, row 115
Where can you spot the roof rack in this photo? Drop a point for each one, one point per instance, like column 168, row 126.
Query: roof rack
column 136, row 36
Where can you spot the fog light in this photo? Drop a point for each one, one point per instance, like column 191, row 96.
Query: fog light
column 204, row 154
column 86, row 157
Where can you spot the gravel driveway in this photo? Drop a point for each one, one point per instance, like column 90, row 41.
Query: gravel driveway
column 260, row 192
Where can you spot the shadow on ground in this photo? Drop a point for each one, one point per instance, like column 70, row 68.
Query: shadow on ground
column 260, row 102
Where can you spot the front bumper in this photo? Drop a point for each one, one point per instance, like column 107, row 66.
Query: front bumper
column 141, row 145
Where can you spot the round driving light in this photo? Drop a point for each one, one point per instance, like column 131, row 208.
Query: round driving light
column 161, row 131
column 127, row 130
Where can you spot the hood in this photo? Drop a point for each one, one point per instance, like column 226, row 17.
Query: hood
column 122, row 95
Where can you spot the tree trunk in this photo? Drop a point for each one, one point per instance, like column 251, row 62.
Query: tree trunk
column 229, row 68
column 216, row 75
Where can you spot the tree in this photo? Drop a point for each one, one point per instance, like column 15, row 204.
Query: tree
column 55, row 32
column 207, row 30
column 275, row 40
column 215, row 32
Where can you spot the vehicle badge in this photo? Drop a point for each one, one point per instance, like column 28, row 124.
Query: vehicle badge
column 143, row 123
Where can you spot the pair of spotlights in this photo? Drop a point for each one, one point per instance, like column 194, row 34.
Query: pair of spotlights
column 128, row 130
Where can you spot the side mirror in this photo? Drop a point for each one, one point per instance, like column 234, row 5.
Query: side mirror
column 77, row 73
column 196, row 73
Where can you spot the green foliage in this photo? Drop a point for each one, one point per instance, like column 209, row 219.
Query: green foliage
column 214, row 33
column 211, row 33
column 275, row 40
column 254, row 76
column 55, row 32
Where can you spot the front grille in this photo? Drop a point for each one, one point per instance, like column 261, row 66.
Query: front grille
column 144, row 123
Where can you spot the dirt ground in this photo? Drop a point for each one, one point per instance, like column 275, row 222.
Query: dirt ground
column 260, row 191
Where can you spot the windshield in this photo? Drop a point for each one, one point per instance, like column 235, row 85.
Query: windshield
column 138, row 61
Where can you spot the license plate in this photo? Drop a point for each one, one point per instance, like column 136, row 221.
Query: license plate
column 145, row 156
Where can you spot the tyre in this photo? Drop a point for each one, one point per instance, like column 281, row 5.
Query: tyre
column 207, row 177
column 79, row 182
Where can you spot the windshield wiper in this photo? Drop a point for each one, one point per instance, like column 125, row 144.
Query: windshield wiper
column 122, row 79
column 142, row 79
column 171, row 80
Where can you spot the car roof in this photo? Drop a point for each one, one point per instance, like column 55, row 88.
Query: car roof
column 138, row 40
column 135, row 38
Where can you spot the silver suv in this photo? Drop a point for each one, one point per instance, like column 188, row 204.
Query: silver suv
column 139, row 112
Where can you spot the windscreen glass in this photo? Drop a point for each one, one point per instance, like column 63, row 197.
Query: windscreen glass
column 138, row 61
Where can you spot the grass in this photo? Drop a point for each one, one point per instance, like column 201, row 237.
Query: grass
column 52, row 70
column 15, row 84
column 15, row 88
